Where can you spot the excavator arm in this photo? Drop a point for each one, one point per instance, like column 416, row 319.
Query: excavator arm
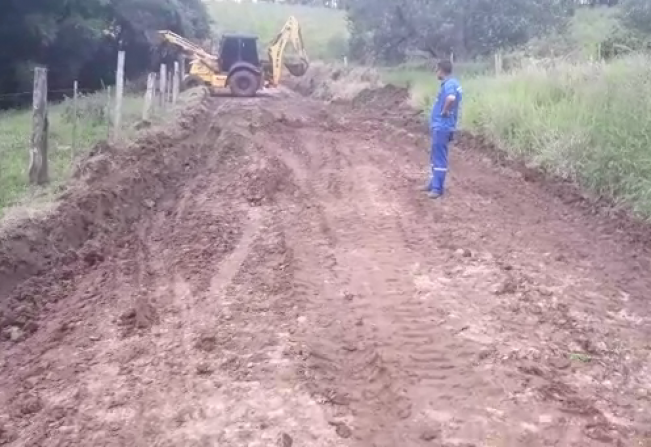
column 193, row 50
column 291, row 31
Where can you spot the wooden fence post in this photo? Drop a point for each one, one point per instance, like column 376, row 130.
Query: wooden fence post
column 175, row 83
column 163, row 84
column 38, row 168
column 499, row 65
column 119, row 92
column 149, row 96
column 108, row 112
column 75, row 120
column 170, row 83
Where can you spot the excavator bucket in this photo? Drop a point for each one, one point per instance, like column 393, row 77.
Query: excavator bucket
column 297, row 67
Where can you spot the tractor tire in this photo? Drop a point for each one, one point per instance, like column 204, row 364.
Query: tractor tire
column 244, row 83
column 191, row 81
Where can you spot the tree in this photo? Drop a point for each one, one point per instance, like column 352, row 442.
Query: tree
column 636, row 14
column 388, row 29
column 79, row 39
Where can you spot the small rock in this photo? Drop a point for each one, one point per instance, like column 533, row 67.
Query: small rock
column 430, row 434
column 359, row 322
column 15, row 333
column 302, row 319
column 284, row 440
column 95, row 338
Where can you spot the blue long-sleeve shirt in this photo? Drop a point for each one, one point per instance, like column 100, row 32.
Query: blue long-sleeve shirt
column 449, row 86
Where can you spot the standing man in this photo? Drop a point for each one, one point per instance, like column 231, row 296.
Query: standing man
column 443, row 124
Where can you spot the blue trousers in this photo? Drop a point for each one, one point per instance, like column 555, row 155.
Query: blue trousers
column 441, row 138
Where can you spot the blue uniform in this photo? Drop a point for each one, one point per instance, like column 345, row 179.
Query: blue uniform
column 443, row 128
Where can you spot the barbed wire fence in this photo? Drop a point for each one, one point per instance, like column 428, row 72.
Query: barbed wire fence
column 60, row 130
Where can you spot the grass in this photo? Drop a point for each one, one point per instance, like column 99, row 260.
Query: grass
column 584, row 121
column 587, row 122
column 324, row 29
column 578, row 119
column 15, row 132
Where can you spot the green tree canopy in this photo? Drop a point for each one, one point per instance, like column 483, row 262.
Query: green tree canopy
column 388, row 29
column 79, row 39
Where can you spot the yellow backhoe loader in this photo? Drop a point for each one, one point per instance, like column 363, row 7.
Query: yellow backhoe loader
column 238, row 65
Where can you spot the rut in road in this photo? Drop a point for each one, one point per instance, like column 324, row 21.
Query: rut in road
column 291, row 282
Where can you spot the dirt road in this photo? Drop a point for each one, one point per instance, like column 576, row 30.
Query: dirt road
column 273, row 276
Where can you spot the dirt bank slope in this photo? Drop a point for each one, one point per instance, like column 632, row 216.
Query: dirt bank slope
column 290, row 284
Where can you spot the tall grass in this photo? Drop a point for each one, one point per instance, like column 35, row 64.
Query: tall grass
column 588, row 122
column 324, row 29
column 15, row 133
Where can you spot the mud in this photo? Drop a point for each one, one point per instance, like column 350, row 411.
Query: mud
column 268, row 273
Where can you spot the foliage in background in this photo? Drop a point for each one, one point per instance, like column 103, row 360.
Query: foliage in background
column 324, row 29
column 387, row 29
column 79, row 39
column 637, row 14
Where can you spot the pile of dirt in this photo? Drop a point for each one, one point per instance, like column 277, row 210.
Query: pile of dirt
column 362, row 89
column 335, row 83
column 385, row 97
column 112, row 188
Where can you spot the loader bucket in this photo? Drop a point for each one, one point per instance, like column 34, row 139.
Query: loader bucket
column 298, row 67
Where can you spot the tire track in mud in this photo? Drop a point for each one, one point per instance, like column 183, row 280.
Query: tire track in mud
column 433, row 358
column 539, row 312
column 378, row 377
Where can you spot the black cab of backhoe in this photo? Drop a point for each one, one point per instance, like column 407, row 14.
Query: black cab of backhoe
column 234, row 48
column 238, row 57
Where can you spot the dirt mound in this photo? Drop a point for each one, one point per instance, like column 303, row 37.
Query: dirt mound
column 330, row 82
column 384, row 97
column 113, row 187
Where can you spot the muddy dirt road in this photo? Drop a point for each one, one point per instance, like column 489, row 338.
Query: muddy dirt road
column 280, row 280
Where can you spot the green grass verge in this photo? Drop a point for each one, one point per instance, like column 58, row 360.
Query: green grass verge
column 324, row 30
column 15, row 132
column 587, row 122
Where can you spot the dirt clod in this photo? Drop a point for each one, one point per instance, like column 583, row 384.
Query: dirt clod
column 29, row 404
column 206, row 343
column 463, row 253
column 204, row 369
column 142, row 316
column 342, row 430
column 430, row 434
column 284, row 440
